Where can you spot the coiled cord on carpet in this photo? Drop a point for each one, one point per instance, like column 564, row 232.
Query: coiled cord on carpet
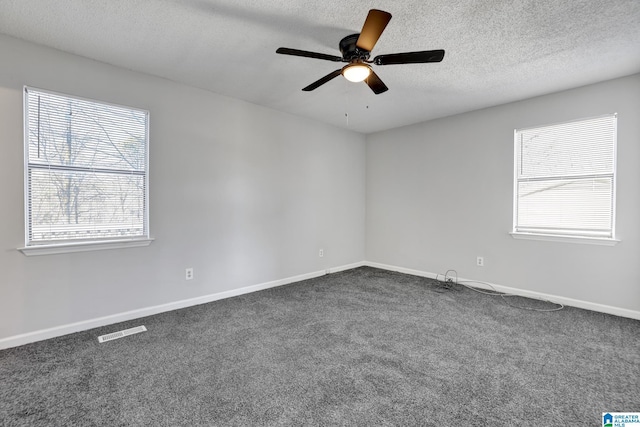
column 451, row 279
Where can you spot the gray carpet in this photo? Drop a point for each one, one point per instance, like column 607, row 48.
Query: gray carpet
column 362, row 347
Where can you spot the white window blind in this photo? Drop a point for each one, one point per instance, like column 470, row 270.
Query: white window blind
column 86, row 170
column 565, row 178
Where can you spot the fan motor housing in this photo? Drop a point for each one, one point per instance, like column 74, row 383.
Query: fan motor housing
column 350, row 51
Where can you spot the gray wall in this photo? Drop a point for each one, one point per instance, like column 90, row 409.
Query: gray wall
column 243, row 194
column 440, row 193
column 246, row 195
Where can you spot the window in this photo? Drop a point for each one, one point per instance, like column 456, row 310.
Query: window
column 86, row 175
column 565, row 179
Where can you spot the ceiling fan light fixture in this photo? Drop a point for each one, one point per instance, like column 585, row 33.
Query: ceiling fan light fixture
column 356, row 50
column 356, row 72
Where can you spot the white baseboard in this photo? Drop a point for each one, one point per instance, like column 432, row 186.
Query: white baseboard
column 587, row 305
column 18, row 340
column 346, row 267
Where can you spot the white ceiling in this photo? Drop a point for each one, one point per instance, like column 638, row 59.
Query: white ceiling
column 496, row 51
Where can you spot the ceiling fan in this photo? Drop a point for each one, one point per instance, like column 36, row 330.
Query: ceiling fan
column 356, row 50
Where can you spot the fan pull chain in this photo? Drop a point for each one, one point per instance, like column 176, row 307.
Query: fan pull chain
column 347, row 94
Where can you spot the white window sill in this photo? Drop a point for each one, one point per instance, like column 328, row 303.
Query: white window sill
column 566, row 239
column 63, row 248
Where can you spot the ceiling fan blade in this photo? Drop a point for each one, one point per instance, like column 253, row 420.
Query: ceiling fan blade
column 410, row 57
column 322, row 81
column 376, row 85
column 307, row 54
column 373, row 27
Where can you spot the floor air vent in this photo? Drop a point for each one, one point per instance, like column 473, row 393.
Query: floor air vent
column 120, row 334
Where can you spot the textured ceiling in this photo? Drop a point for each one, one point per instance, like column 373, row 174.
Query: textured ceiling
column 496, row 51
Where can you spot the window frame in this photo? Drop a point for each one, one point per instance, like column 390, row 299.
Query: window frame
column 60, row 246
column 567, row 237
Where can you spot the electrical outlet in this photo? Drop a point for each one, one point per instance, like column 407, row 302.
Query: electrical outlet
column 189, row 273
column 321, row 253
column 480, row 261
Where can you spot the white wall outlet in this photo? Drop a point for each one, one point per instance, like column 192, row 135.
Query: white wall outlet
column 321, row 253
column 189, row 273
column 480, row 261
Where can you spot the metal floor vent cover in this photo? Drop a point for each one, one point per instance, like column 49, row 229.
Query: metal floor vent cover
column 120, row 334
